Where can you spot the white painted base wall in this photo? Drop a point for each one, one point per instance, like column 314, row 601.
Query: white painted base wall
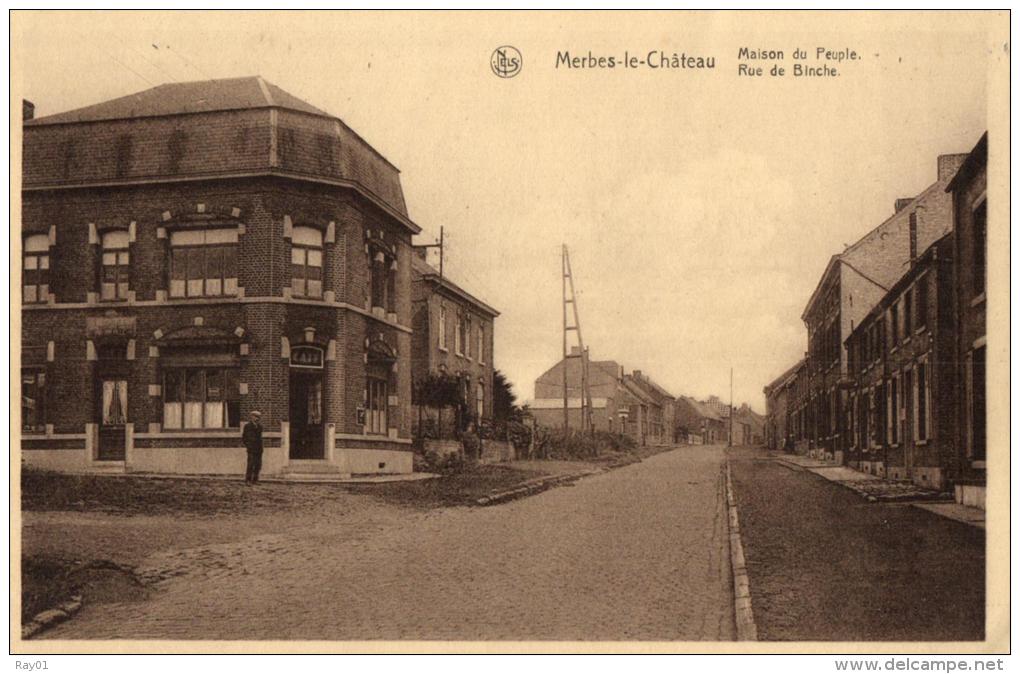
column 972, row 495
column 59, row 460
column 379, row 461
column 202, row 460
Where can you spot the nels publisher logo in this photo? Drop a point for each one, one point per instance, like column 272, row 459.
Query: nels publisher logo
column 506, row 61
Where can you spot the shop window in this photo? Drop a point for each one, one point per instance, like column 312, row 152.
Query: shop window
column 33, row 401
column 306, row 262
column 203, row 263
column 36, row 269
column 200, row 398
column 116, row 266
column 378, row 403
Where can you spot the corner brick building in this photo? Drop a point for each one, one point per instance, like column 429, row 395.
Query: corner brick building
column 199, row 250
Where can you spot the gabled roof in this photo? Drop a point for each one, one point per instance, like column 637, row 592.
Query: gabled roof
column 637, row 391
column 784, row 378
column 177, row 98
column 430, row 274
column 977, row 157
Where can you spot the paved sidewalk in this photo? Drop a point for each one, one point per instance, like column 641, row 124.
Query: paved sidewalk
column 956, row 511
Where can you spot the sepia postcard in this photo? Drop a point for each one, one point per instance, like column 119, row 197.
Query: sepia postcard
column 521, row 332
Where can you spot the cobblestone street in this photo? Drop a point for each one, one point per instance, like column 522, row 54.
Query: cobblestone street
column 638, row 553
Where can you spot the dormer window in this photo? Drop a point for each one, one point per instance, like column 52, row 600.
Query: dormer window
column 306, row 263
column 203, row 263
column 116, row 265
column 36, row 269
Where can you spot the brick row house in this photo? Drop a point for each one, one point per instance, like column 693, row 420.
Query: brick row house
column 200, row 250
column 893, row 379
column 622, row 404
column 453, row 335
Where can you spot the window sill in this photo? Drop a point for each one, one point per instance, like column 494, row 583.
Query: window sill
column 193, row 433
column 444, row 349
column 978, row 300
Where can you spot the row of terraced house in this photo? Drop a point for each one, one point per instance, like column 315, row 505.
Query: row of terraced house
column 635, row 405
column 893, row 379
column 198, row 251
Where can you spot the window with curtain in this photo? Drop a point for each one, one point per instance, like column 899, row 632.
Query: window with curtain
column 33, row 401
column 480, row 400
column 203, row 263
column 467, row 337
column 114, row 402
column 306, row 262
column 481, row 343
column 35, row 267
column 200, row 398
column 116, row 265
column 458, row 336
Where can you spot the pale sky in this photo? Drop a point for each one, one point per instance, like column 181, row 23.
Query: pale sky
column 700, row 207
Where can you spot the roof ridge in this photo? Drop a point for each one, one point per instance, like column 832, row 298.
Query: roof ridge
column 263, row 85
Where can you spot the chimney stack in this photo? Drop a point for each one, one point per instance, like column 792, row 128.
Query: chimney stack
column 949, row 164
column 902, row 203
column 27, row 110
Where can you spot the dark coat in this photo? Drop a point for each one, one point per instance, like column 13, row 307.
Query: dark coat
column 252, row 436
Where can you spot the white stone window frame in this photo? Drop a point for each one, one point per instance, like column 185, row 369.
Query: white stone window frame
column 115, row 252
column 443, row 341
column 307, row 244
column 35, row 257
column 205, row 238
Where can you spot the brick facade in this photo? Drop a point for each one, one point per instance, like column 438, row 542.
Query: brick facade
column 259, row 176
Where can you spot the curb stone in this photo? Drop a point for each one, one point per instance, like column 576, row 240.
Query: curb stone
column 743, row 614
column 50, row 617
column 534, row 486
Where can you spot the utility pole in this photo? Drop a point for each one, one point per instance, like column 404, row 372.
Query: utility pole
column 582, row 353
column 731, row 407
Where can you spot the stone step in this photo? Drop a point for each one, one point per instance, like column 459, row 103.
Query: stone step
column 310, row 467
column 311, row 477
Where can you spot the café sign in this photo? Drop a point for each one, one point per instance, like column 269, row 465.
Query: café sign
column 306, row 356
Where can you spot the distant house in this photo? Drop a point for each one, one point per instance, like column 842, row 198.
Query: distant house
column 698, row 422
column 611, row 402
column 779, row 404
column 660, row 408
column 453, row 334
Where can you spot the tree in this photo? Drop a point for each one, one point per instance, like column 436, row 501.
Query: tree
column 504, row 401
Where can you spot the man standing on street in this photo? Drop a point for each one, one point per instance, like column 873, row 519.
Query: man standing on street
column 252, row 437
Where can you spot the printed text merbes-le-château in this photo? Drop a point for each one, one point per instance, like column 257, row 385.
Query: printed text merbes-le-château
column 653, row 59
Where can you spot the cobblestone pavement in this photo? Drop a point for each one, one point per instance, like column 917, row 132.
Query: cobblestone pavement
column 638, row 553
column 825, row 564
